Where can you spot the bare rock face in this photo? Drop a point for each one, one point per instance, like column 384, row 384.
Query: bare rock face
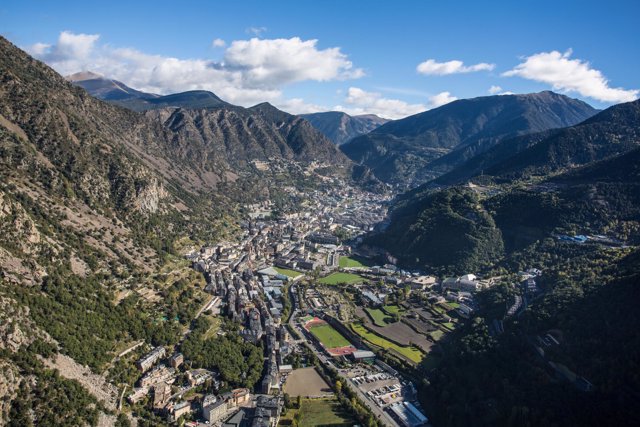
column 9, row 383
column 16, row 329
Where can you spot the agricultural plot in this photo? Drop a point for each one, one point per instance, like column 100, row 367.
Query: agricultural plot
column 411, row 353
column 378, row 316
column 403, row 334
column 339, row 278
column 392, row 309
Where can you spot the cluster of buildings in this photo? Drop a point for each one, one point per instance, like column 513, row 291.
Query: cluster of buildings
column 382, row 385
column 234, row 408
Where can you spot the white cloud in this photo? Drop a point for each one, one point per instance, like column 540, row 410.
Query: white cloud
column 256, row 31
column 218, row 43
column 281, row 61
column 360, row 101
column 570, row 75
column 433, row 67
column 497, row 90
column 251, row 71
column 299, row 106
column 70, row 51
column 441, row 99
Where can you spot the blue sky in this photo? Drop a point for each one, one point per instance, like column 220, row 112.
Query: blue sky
column 359, row 56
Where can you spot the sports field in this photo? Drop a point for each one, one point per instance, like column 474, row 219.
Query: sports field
column 328, row 336
column 337, row 278
column 320, row 412
column 306, row 382
column 331, row 340
column 289, row 273
column 352, row 262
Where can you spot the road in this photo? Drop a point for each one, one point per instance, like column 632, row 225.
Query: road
column 375, row 409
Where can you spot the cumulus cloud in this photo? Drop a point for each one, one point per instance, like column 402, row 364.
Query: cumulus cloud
column 218, row 43
column 433, row 67
column 570, row 75
column 360, row 101
column 250, row 71
column 71, row 50
column 281, row 61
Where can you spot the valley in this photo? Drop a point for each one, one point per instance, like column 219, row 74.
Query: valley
column 176, row 259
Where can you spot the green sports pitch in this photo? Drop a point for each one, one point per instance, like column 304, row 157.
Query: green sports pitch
column 328, row 336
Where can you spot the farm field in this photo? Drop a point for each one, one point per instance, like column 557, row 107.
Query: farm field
column 378, row 316
column 419, row 325
column 411, row 353
column 306, row 382
column 336, row 278
column 319, row 412
column 328, row 336
column 402, row 333
column 351, row 262
column 392, row 309
column 437, row 334
column 289, row 273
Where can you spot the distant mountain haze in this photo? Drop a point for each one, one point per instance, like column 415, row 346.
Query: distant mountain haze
column 340, row 127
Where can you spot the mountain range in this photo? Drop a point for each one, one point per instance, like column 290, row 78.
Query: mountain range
column 417, row 148
column 340, row 127
column 118, row 93
column 581, row 177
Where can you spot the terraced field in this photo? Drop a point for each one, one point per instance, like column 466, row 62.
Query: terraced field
column 411, row 353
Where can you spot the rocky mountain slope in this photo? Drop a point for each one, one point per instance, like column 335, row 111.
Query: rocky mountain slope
column 611, row 132
column 94, row 199
column 407, row 151
column 582, row 178
column 118, row 93
column 340, row 127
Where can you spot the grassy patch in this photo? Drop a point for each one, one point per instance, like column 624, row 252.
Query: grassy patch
column 412, row 353
column 378, row 316
column 351, row 262
column 436, row 335
column 337, row 278
column 329, row 337
column 289, row 273
column 215, row 327
column 319, row 412
column 450, row 326
column 392, row 309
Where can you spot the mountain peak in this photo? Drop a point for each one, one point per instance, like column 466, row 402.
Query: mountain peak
column 84, row 75
column 340, row 127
